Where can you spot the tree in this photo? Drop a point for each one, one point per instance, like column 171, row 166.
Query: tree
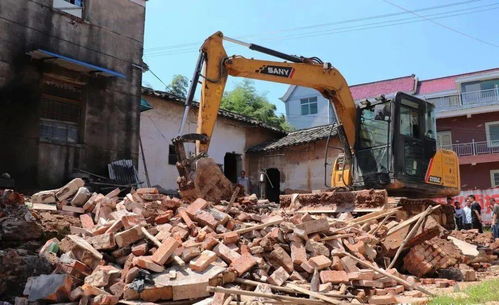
column 245, row 100
column 178, row 85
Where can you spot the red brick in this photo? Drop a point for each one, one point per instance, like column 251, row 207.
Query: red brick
column 278, row 277
column 205, row 218
column 203, row 261
column 185, row 217
column 209, row 243
column 230, row 237
column 130, row 221
column 319, row 262
column 105, row 299
column 140, row 249
column 146, row 263
column 225, row 253
column 163, row 253
column 129, row 236
column 164, row 217
column 307, row 267
column 103, row 241
column 382, row 299
column 197, row 205
column 282, row 258
column 86, row 221
column 333, row 276
column 243, row 264
column 314, row 226
column 218, row 298
column 298, row 252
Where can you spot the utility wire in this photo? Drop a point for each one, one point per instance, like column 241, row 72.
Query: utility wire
column 154, row 74
column 367, row 26
column 381, row 16
column 441, row 24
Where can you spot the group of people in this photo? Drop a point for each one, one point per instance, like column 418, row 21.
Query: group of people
column 469, row 216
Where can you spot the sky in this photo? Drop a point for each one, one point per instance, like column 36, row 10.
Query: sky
column 366, row 40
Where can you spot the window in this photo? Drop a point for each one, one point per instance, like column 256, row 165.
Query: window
column 444, row 139
column 308, row 105
column 492, row 132
column 494, row 178
column 60, row 112
column 172, row 155
column 431, row 122
column 72, row 7
column 409, row 119
column 374, row 125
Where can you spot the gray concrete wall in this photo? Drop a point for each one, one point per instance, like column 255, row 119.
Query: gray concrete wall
column 111, row 36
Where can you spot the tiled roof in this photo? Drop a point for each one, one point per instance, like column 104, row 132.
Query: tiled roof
column 223, row 113
column 388, row 86
column 446, row 83
column 297, row 137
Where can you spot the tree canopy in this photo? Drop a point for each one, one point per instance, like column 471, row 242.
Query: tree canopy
column 244, row 99
column 178, row 85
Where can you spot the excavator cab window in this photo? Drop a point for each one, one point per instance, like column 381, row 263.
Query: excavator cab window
column 373, row 144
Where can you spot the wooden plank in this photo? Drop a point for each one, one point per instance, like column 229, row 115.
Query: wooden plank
column 265, row 295
column 44, row 206
column 317, row 295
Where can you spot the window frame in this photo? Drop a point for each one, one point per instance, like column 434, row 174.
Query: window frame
column 78, row 123
column 441, row 132
column 68, row 11
column 172, row 155
column 487, row 134
column 492, row 178
column 307, row 101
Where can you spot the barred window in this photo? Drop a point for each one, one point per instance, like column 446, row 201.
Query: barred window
column 60, row 112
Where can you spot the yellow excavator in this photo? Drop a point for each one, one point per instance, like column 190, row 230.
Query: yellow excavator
column 386, row 143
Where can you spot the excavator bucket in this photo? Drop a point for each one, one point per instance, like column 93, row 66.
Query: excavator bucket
column 200, row 176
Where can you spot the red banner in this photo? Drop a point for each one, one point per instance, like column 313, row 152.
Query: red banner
column 483, row 197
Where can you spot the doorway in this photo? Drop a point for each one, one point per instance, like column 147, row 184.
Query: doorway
column 273, row 184
column 232, row 166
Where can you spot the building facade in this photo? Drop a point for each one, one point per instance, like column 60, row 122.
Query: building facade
column 296, row 163
column 70, row 86
column 467, row 112
column 232, row 136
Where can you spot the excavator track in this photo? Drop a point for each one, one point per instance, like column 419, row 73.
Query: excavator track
column 366, row 201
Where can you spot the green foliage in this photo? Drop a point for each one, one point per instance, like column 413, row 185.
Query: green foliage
column 178, row 85
column 481, row 293
column 245, row 100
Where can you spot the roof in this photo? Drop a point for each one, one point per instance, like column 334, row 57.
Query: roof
column 223, row 113
column 386, row 87
column 297, row 137
column 446, row 83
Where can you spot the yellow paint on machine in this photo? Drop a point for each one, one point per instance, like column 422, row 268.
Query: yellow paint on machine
column 444, row 169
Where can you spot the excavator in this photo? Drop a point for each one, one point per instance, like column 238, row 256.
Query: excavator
column 385, row 143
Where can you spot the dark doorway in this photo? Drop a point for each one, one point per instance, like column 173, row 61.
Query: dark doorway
column 273, row 184
column 232, row 163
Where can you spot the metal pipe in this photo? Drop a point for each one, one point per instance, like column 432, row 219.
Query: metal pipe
column 192, row 91
column 265, row 50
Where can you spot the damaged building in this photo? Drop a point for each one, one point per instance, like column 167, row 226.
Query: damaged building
column 70, row 80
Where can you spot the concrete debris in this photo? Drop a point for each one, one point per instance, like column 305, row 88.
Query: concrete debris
column 151, row 247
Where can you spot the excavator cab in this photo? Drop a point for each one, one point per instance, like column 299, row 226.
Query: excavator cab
column 396, row 150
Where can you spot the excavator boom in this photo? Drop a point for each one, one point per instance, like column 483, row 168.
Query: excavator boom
column 214, row 66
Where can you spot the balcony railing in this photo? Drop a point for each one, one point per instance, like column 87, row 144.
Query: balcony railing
column 466, row 100
column 474, row 148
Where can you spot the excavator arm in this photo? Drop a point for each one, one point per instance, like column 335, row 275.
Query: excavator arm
column 214, row 66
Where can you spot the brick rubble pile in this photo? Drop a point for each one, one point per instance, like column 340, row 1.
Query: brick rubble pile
column 151, row 247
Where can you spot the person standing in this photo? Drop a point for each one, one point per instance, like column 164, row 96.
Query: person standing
column 467, row 220
column 459, row 215
column 495, row 217
column 244, row 182
column 476, row 214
